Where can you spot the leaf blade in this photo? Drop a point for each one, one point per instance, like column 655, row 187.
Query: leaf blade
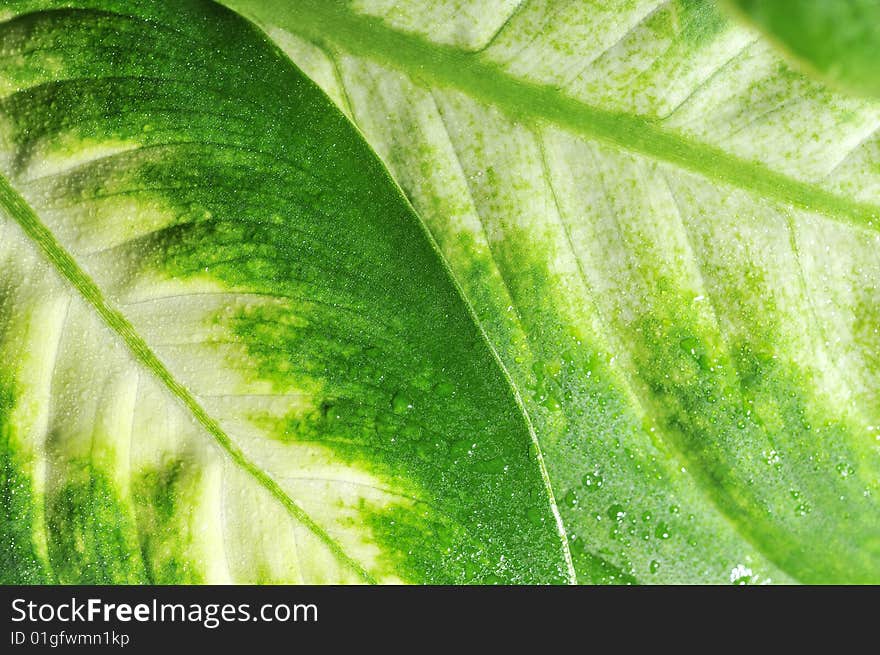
column 835, row 40
column 174, row 220
column 769, row 527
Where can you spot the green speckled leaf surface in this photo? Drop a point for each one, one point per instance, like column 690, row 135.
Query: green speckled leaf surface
column 231, row 352
column 671, row 238
column 518, row 291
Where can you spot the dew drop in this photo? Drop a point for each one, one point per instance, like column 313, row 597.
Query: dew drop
column 549, row 400
column 401, row 403
column 461, row 448
column 689, row 345
column 592, row 481
column 845, row 470
column 616, row 512
column 654, row 566
column 662, row 531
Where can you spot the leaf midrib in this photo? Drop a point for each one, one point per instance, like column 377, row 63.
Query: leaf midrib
column 19, row 209
column 329, row 24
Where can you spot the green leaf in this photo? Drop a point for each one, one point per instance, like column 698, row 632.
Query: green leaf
column 670, row 238
column 839, row 40
column 230, row 350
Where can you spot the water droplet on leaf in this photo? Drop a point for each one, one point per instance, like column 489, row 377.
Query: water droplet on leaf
column 592, row 481
column 401, row 403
